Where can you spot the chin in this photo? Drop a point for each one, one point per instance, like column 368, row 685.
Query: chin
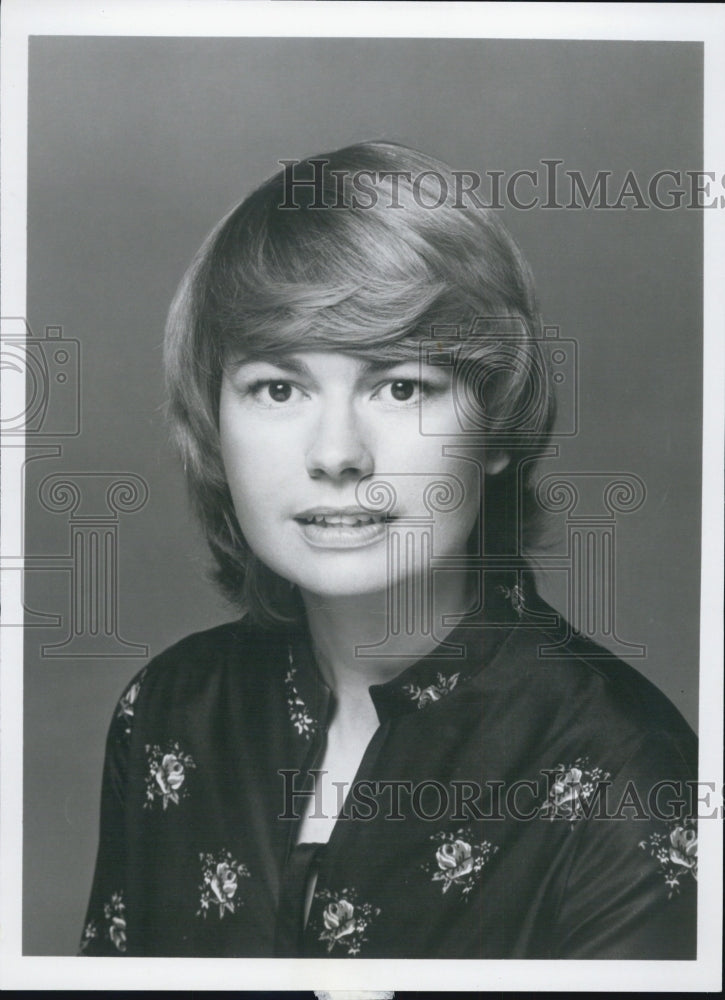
column 348, row 587
column 354, row 582
column 341, row 581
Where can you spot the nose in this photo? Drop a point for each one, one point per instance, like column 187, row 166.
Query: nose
column 339, row 449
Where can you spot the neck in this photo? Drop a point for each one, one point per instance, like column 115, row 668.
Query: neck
column 340, row 625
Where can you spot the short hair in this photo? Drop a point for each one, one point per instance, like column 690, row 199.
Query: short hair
column 326, row 255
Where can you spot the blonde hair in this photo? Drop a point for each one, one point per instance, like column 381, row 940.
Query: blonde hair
column 333, row 271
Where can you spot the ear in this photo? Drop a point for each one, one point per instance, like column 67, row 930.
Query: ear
column 496, row 461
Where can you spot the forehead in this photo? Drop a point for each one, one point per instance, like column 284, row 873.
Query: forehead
column 324, row 363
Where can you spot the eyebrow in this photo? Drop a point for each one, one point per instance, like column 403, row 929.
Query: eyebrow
column 289, row 364
column 298, row 367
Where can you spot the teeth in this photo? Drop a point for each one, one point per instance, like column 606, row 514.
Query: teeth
column 348, row 520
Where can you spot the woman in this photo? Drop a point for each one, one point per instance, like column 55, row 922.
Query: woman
column 382, row 757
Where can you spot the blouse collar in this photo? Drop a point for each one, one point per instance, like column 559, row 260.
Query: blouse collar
column 451, row 664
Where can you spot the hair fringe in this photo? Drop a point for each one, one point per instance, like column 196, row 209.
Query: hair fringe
column 371, row 281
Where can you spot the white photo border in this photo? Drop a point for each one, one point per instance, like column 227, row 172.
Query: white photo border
column 694, row 22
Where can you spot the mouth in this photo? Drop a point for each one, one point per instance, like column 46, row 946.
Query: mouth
column 325, row 527
column 342, row 519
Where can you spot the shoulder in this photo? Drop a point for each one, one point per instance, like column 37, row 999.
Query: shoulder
column 239, row 642
column 580, row 696
column 208, row 663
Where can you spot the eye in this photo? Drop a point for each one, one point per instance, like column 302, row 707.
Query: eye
column 274, row 392
column 403, row 389
column 280, row 392
column 400, row 390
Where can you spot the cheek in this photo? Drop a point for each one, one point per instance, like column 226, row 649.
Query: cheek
column 256, row 487
column 239, row 458
column 462, row 476
column 459, row 523
column 446, row 489
column 257, row 461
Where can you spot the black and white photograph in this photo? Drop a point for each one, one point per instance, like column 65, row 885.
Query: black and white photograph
column 362, row 495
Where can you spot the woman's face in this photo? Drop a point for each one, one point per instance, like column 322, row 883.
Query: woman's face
column 308, row 438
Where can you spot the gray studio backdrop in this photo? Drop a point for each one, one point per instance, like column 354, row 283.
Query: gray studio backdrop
column 136, row 147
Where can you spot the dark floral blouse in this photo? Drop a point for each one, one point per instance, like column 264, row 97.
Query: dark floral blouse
column 526, row 795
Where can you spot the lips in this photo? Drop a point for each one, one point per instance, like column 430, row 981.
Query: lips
column 348, row 517
column 342, row 528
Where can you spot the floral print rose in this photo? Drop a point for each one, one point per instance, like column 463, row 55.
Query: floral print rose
column 566, row 792
column 90, row 933
column 344, row 920
column 338, row 919
column 455, row 861
column 434, row 692
column 127, row 701
column 683, row 848
column 459, row 860
column 571, row 790
column 220, row 883
column 166, row 774
column 676, row 852
column 298, row 713
column 515, row 596
column 114, row 911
